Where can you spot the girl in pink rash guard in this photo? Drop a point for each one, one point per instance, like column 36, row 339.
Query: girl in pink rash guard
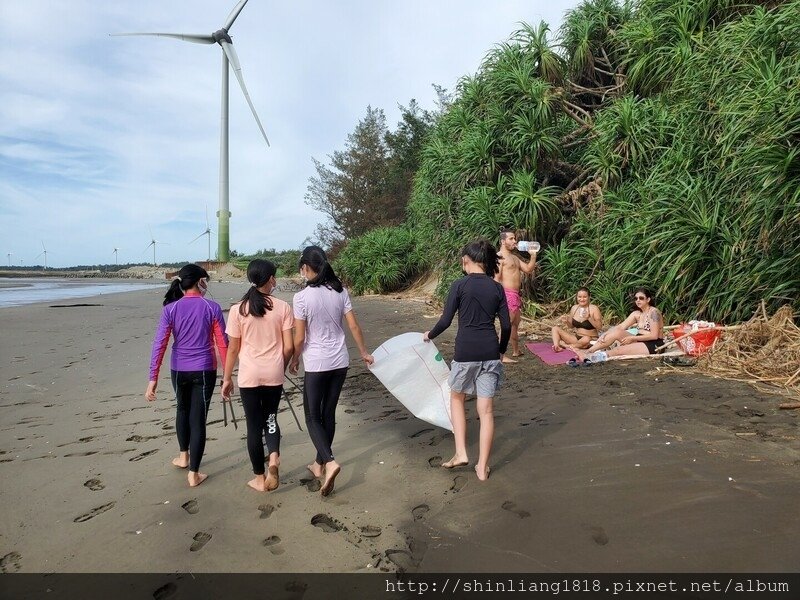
column 197, row 326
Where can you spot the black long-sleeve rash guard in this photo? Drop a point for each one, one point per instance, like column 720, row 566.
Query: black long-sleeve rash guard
column 478, row 299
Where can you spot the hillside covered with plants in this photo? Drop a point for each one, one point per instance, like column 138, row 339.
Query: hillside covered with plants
column 654, row 143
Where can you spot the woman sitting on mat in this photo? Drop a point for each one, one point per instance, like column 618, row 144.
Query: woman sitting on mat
column 584, row 318
column 640, row 333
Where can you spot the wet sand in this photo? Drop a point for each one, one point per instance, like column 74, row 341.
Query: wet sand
column 611, row 468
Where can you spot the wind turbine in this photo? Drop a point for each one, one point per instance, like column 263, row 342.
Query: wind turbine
column 153, row 242
column 207, row 232
column 9, row 258
column 229, row 57
column 116, row 261
column 44, row 251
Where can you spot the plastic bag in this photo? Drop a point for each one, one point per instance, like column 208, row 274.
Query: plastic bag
column 416, row 374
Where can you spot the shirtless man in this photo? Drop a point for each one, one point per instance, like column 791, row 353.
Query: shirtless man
column 510, row 278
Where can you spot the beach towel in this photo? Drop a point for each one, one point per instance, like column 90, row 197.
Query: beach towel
column 545, row 352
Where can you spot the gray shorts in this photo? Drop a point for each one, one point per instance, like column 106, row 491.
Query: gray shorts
column 481, row 378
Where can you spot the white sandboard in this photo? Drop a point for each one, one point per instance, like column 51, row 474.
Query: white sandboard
column 416, row 374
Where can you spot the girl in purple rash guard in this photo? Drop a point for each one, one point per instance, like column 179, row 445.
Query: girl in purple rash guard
column 197, row 326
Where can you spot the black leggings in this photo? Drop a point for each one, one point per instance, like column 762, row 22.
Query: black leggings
column 193, row 390
column 261, row 411
column 321, row 391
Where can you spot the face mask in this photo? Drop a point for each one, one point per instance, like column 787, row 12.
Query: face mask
column 203, row 286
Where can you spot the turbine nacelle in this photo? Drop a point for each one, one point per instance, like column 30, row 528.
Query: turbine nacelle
column 221, row 35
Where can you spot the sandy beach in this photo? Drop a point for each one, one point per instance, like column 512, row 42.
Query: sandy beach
column 617, row 467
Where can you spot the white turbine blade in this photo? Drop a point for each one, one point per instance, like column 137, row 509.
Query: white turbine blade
column 197, row 238
column 237, row 70
column 234, row 13
column 195, row 38
column 38, row 255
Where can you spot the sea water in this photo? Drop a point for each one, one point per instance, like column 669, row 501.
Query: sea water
column 17, row 291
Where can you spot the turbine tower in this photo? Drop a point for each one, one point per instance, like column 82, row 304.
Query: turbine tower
column 116, row 258
column 229, row 57
column 9, row 258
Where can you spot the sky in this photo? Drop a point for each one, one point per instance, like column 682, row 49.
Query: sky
column 110, row 142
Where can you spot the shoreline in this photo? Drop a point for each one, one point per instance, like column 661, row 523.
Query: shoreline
column 622, row 467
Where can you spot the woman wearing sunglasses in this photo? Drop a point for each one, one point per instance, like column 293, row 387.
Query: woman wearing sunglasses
column 640, row 333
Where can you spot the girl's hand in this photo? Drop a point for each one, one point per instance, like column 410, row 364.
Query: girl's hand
column 150, row 394
column 368, row 359
column 227, row 389
column 425, row 337
column 294, row 365
column 626, row 340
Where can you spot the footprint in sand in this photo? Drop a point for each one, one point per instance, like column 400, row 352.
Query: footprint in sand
column 201, row 538
column 458, row 483
column 313, row 485
column 191, row 506
column 401, row 559
column 165, row 591
column 143, row 455
column 10, row 562
column 273, row 543
column 371, row 531
column 512, row 508
column 435, row 461
column 94, row 512
column 437, row 439
column 419, row 512
column 327, row 523
column 81, row 453
column 94, row 484
column 420, row 432
column 266, row 511
column 599, row 535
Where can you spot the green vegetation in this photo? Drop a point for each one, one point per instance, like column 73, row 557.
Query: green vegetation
column 657, row 144
column 285, row 260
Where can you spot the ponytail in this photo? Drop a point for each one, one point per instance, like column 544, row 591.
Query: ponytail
column 315, row 257
column 186, row 279
column 255, row 302
column 485, row 254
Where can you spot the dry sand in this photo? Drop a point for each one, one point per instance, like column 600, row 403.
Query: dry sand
column 615, row 467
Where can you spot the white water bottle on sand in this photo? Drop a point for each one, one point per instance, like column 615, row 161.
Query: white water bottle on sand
column 528, row 247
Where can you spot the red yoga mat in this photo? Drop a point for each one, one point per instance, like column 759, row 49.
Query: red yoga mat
column 545, row 352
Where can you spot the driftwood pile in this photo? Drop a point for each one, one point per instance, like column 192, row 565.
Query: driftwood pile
column 764, row 350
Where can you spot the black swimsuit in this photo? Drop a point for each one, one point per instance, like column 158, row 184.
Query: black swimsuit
column 582, row 325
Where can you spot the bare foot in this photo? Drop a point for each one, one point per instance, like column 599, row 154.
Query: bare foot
column 273, row 480
column 516, row 355
column 485, row 472
column 182, row 461
column 196, row 478
column 258, row 483
column 317, row 470
column 507, row 360
column 331, row 471
column 456, row 461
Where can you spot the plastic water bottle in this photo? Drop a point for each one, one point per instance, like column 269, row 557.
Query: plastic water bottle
column 598, row 356
column 528, row 247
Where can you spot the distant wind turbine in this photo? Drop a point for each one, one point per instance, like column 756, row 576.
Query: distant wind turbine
column 116, row 261
column 229, row 57
column 207, row 232
column 44, row 251
column 153, row 242
column 9, row 258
